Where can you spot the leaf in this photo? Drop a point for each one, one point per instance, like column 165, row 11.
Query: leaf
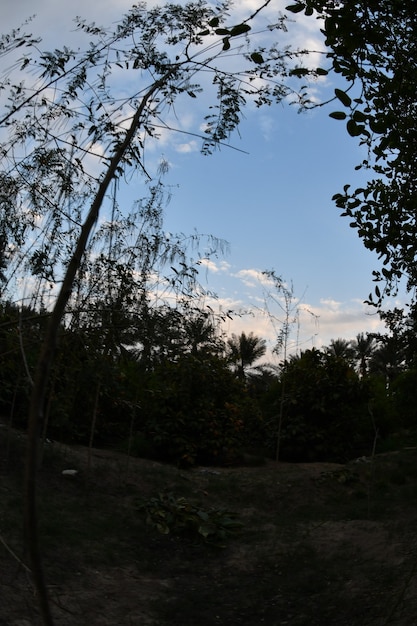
column 214, row 22
column 358, row 116
column 226, row 43
column 338, row 115
column 240, row 29
column 377, row 126
column 257, row 57
column 203, row 515
column 295, row 8
column 222, row 31
column 343, row 97
column 320, row 71
column 353, row 128
column 163, row 529
column 205, row 530
column 299, row 72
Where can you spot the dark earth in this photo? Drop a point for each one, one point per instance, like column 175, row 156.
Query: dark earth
column 319, row 544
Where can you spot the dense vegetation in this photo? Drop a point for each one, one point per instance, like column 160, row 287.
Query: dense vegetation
column 187, row 396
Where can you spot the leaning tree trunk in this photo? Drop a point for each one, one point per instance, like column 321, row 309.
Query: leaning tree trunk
column 46, row 357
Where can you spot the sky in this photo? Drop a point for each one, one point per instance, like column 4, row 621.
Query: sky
column 268, row 195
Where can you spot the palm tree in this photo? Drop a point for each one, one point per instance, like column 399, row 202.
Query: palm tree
column 363, row 346
column 341, row 348
column 202, row 335
column 244, row 350
column 388, row 359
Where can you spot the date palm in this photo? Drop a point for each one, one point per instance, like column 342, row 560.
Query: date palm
column 363, row 347
column 244, row 350
column 341, row 348
column 388, row 359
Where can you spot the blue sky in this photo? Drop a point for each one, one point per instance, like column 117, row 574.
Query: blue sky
column 270, row 199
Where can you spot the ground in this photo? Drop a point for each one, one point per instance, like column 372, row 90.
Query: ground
column 318, row 543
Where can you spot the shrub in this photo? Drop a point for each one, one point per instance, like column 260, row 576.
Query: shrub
column 193, row 410
column 325, row 412
column 169, row 514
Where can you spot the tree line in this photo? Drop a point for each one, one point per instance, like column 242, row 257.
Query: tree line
column 168, row 385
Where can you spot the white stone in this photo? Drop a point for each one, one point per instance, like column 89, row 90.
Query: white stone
column 70, row 472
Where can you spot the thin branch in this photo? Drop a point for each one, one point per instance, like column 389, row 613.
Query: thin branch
column 22, row 350
column 203, row 137
column 261, row 8
column 14, row 555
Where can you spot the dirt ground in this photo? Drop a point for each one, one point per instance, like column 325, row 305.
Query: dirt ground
column 319, row 544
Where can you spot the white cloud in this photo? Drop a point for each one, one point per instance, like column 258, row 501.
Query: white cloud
column 315, row 324
column 191, row 146
column 331, row 305
column 215, row 267
column 339, row 319
column 253, row 278
column 268, row 124
column 315, row 328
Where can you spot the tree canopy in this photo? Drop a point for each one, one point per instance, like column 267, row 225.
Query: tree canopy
column 372, row 45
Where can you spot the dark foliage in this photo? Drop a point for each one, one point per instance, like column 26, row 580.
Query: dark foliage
column 182, row 402
column 325, row 413
column 372, row 45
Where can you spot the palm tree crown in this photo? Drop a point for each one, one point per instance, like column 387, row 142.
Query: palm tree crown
column 244, row 350
column 363, row 346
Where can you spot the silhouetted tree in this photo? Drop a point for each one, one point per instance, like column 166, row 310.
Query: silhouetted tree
column 363, row 348
column 341, row 348
column 244, row 350
column 372, row 46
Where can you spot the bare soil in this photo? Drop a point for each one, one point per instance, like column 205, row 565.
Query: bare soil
column 320, row 544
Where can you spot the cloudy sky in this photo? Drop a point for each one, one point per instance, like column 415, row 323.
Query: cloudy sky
column 268, row 195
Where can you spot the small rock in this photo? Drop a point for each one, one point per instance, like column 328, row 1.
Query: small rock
column 69, row 472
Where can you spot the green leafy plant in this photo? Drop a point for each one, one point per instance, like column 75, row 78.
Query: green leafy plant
column 170, row 514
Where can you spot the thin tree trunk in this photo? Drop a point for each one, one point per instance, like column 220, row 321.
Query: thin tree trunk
column 46, row 357
column 280, row 420
column 10, row 422
column 130, row 440
column 93, row 428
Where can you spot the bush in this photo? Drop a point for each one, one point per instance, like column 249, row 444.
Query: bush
column 325, row 410
column 404, row 398
column 169, row 514
column 194, row 410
